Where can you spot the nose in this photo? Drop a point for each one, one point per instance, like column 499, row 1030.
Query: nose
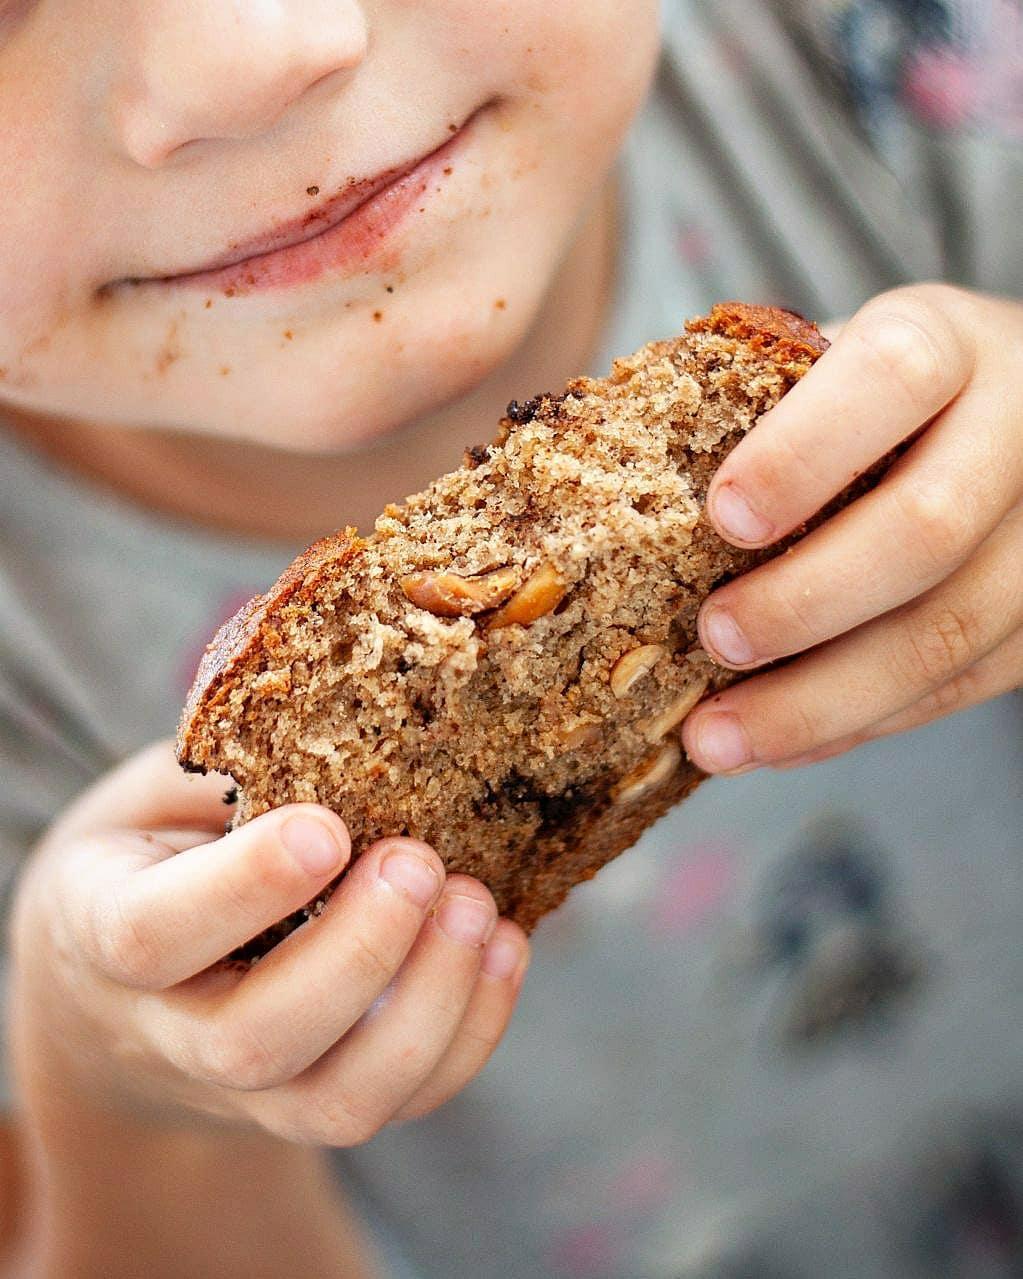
column 203, row 69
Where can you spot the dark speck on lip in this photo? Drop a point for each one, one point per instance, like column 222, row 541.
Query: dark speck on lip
column 312, row 190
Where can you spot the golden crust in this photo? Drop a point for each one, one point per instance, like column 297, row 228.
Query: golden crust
column 244, row 638
column 783, row 335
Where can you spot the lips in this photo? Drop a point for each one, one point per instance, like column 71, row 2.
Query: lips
column 299, row 230
column 346, row 230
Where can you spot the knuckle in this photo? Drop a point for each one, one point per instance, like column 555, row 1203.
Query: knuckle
column 123, row 949
column 942, row 644
column 909, row 341
column 234, row 1056
column 790, row 616
column 793, row 460
column 478, row 1047
column 782, row 465
column 938, row 524
column 483, row 1044
column 333, row 1120
column 949, row 696
column 371, row 966
column 245, row 888
column 797, row 728
column 937, row 300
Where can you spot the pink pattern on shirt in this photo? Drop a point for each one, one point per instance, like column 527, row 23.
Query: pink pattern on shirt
column 694, row 889
column 940, row 87
column 585, row 1251
column 694, row 244
column 643, row 1183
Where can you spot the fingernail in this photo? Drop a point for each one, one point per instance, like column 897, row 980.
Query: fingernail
column 723, row 636
column 312, row 844
column 466, row 919
column 735, row 517
column 501, row 957
column 410, row 875
column 721, row 741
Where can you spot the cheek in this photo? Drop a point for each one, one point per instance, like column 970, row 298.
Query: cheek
column 584, row 72
column 40, row 304
column 45, row 240
column 590, row 58
column 598, row 55
column 34, row 305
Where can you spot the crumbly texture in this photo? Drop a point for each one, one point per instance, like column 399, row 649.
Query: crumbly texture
column 502, row 667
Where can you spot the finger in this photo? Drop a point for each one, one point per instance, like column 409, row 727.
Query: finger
column 149, row 789
column 348, row 1095
column 491, row 1005
column 1001, row 671
column 832, row 328
column 896, row 363
column 883, row 667
column 288, row 1009
column 927, row 516
column 154, row 925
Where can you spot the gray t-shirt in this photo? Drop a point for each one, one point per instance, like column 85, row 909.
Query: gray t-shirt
column 783, row 1037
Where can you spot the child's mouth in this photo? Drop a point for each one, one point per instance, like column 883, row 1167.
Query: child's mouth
column 348, row 230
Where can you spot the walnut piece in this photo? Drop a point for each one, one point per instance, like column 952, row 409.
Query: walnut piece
column 654, row 771
column 675, row 712
column 536, row 597
column 586, row 731
column 451, row 595
column 632, row 666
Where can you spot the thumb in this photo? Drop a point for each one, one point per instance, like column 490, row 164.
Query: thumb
column 149, row 790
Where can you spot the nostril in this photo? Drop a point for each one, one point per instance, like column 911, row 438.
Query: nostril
column 332, row 74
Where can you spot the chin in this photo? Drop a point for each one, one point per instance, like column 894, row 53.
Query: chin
column 383, row 390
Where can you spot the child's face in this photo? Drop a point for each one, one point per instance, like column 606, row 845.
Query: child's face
column 145, row 142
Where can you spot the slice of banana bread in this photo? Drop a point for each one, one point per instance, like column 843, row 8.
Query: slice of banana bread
column 502, row 667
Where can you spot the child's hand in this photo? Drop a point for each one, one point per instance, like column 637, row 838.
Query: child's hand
column 914, row 593
column 381, row 1008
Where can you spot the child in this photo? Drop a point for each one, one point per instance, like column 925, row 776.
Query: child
column 265, row 268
